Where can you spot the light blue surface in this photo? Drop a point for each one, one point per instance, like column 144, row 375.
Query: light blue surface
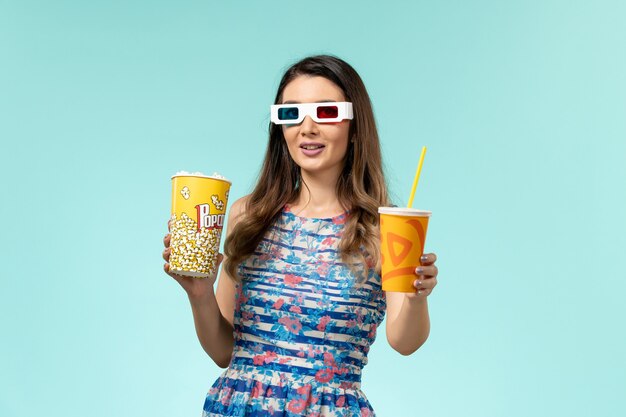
column 522, row 106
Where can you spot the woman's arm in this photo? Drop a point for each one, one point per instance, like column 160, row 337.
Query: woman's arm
column 214, row 332
column 213, row 310
column 408, row 323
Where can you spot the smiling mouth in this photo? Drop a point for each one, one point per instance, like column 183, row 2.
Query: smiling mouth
column 311, row 147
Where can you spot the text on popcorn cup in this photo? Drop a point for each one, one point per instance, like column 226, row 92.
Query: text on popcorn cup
column 208, row 220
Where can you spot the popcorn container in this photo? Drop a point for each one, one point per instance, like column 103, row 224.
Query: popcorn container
column 198, row 211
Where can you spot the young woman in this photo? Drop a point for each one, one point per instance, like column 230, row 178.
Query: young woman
column 299, row 298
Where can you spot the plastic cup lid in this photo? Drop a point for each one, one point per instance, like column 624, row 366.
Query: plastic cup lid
column 404, row 211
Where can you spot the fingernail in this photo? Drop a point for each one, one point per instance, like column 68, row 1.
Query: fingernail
column 418, row 283
column 424, row 258
column 419, row 270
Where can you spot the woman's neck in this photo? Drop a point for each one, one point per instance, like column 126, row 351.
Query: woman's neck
column 318, row 196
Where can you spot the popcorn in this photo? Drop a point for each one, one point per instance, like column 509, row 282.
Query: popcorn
column 198, row 173
column 191, row 250
column 215, row 175
column 219, row 204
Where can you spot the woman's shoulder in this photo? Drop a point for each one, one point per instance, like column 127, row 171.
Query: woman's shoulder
column 239, row 205
column 237, row 208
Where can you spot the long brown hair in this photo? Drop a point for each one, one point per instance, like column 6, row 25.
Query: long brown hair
column 361, row 186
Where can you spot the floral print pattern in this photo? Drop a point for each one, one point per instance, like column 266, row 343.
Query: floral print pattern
column 303, row 327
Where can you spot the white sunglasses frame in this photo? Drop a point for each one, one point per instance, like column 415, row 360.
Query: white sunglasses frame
column 344, row 111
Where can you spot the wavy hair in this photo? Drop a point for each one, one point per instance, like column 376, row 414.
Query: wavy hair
column 361, row 186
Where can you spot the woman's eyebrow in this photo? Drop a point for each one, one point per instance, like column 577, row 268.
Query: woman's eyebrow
column 319, row 101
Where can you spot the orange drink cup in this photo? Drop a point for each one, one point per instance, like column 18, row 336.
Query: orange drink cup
column 402, row 238
column 198, row 211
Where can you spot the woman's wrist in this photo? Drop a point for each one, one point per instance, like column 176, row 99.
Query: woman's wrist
column 202, row 299
column 416, row 300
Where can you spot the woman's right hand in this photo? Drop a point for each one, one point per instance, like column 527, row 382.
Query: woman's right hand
column 196, row 288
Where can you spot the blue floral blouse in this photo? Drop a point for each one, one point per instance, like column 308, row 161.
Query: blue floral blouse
column 303, row 326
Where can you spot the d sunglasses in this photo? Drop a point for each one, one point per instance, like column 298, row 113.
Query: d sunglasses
column 320, row 112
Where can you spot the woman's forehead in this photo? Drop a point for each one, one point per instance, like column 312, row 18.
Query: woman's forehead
column 307, row 89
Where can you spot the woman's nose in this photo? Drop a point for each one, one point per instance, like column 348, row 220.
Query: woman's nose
column 308, row 126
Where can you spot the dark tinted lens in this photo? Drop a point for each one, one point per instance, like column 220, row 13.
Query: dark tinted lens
column 327, row 112
column 288, row 113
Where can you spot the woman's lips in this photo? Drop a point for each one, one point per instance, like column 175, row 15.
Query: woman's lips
column 312, row 152
column 314, row 148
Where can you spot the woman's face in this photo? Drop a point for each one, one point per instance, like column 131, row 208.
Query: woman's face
column 331, row 138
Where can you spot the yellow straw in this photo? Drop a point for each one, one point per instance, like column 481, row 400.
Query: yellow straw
column 417, row 176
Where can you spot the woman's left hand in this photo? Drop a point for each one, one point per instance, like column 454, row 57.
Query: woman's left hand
column 426, row 277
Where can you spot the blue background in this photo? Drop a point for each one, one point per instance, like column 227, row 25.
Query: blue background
column 522, row 105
